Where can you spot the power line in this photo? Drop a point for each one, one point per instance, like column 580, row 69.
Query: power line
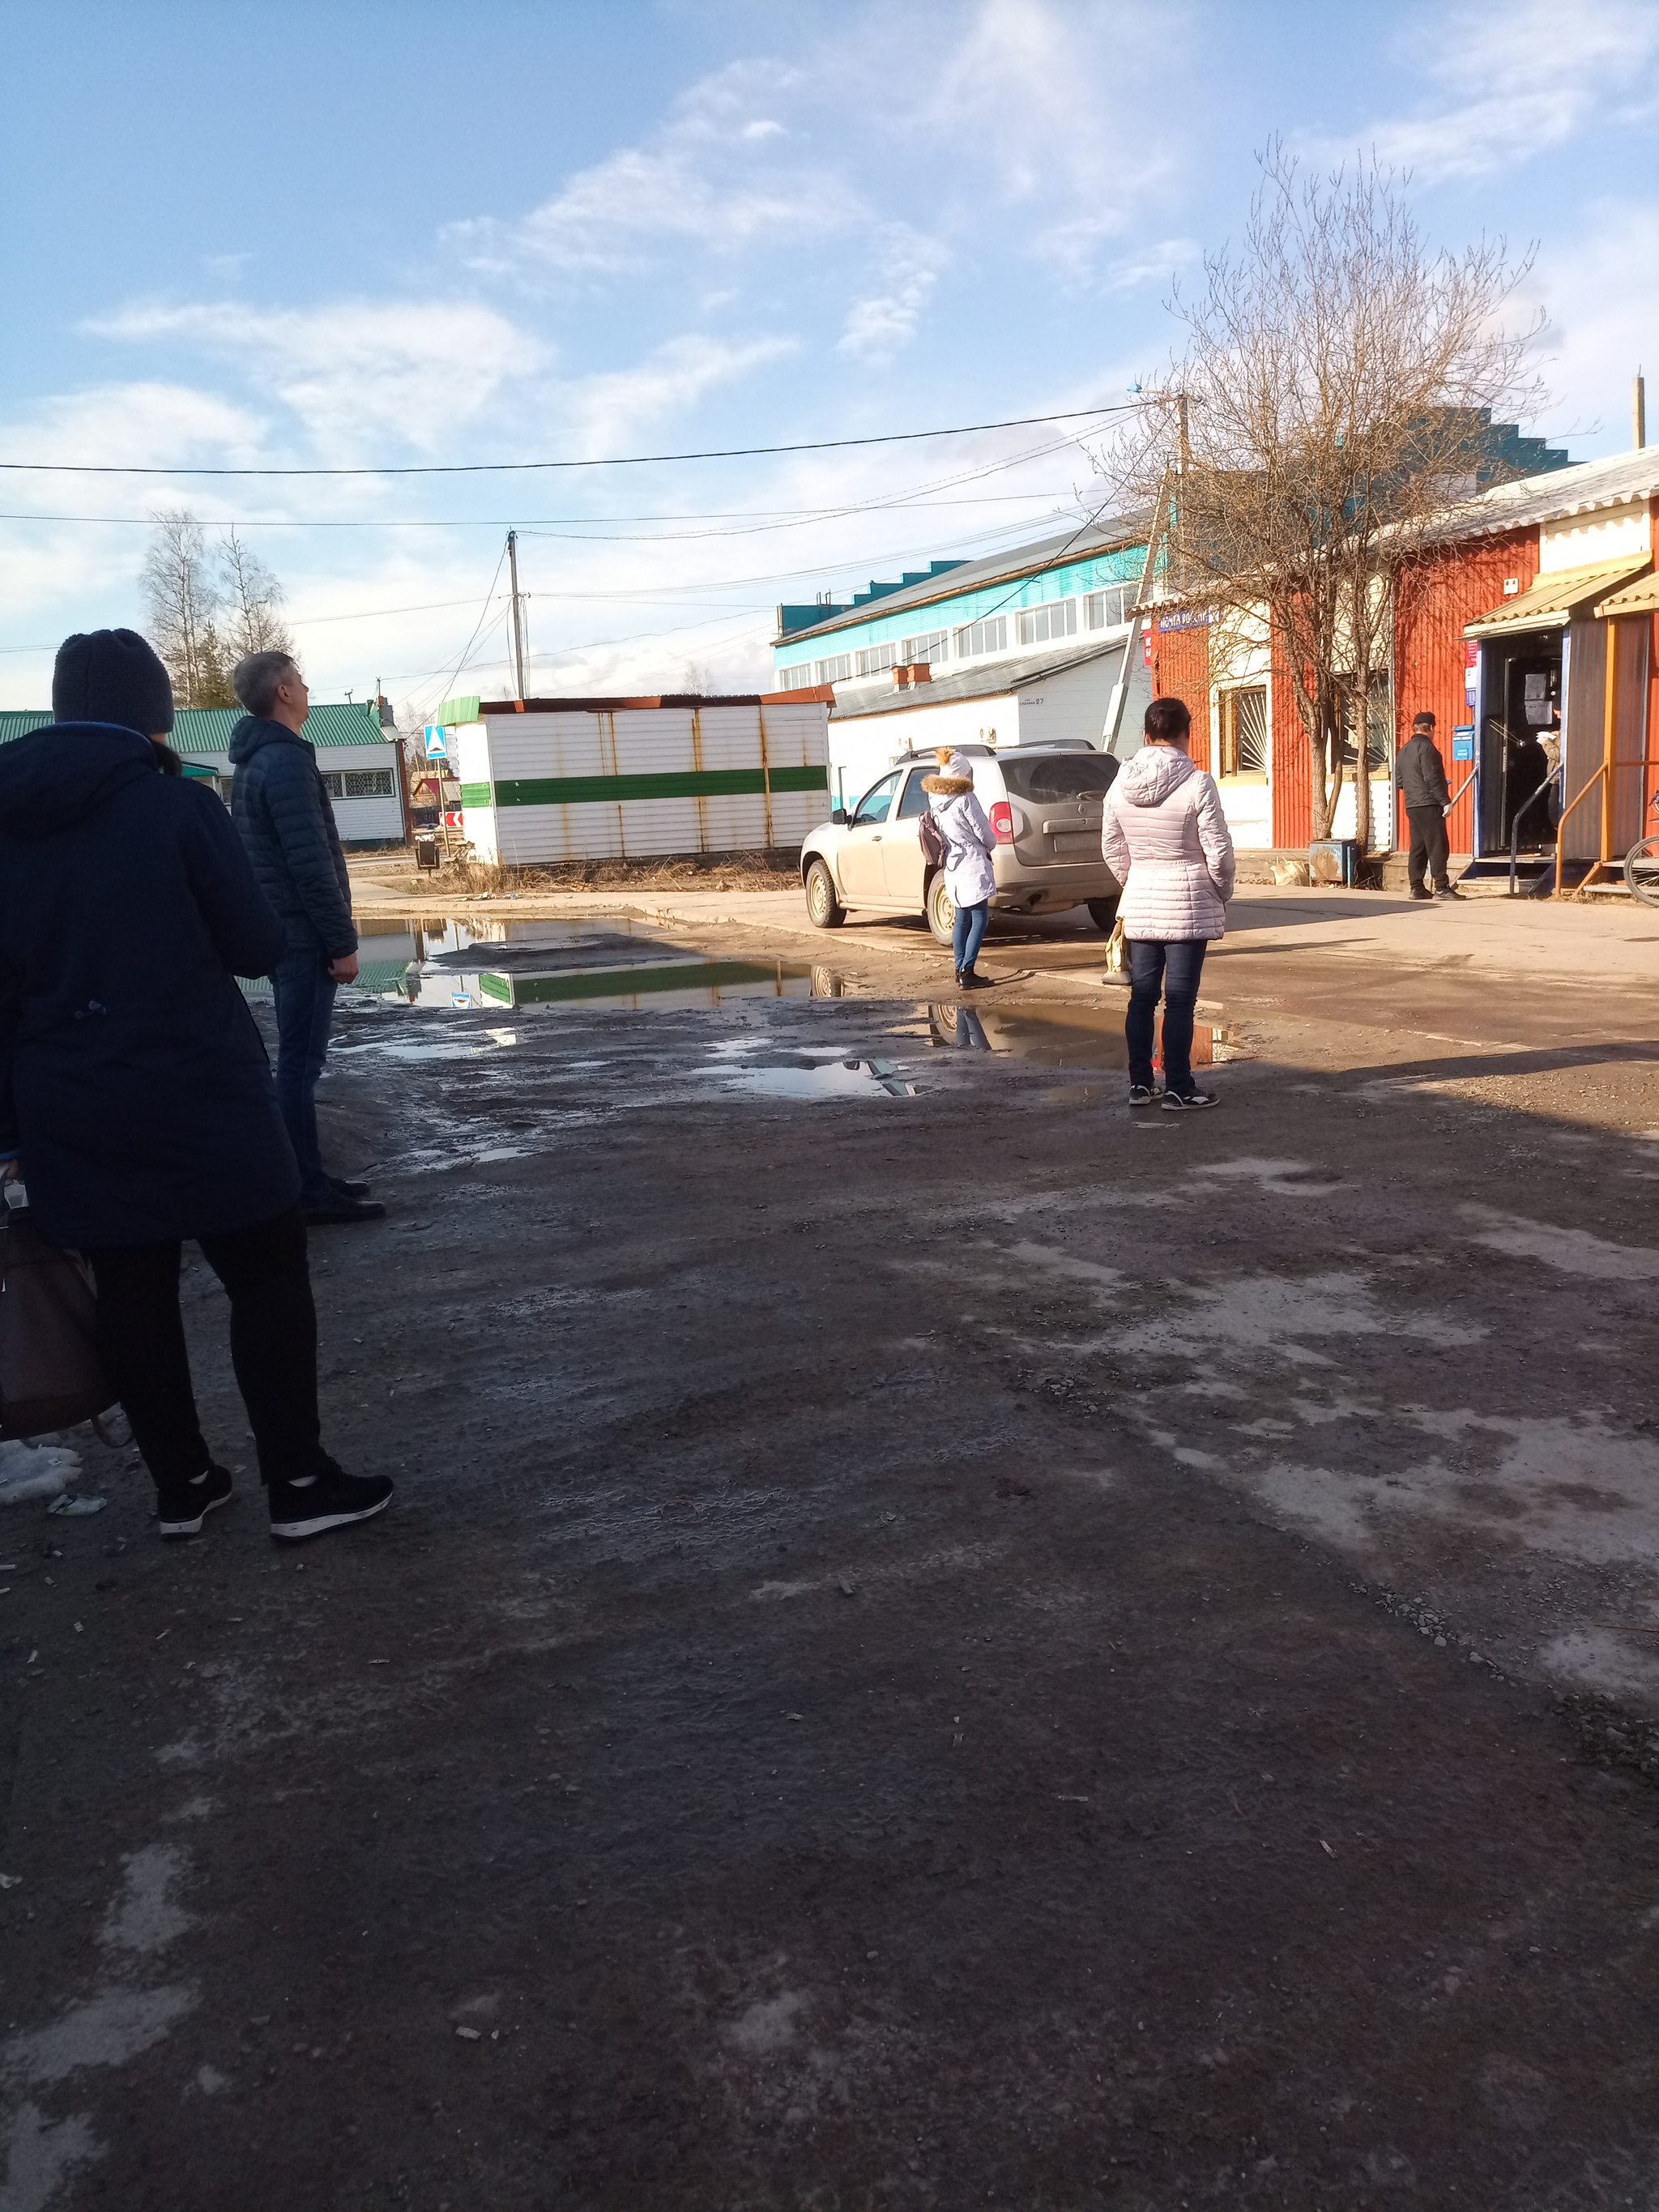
column 606, row 461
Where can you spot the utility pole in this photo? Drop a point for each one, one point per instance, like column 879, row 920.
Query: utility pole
column 518, row 628
column 1638, row 410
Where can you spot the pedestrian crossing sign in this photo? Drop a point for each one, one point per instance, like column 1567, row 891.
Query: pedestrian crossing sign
column 434, row 740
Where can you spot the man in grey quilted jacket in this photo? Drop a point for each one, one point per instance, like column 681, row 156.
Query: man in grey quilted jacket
column 282, row 810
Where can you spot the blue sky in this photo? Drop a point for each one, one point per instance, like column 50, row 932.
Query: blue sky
column 363, row 235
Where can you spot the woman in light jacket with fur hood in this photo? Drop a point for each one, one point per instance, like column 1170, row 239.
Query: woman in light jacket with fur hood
column 1165, row 838
column 969, row 877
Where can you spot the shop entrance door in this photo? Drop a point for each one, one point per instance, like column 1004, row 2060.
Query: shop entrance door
column 1520, row 739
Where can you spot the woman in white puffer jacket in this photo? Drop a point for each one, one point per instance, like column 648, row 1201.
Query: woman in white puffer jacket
column 969, row 842
column 1165, row 838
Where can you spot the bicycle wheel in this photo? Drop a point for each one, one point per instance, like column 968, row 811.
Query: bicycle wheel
column 1642, row 870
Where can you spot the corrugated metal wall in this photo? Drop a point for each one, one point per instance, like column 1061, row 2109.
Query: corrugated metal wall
column 1583, row 734
column 1632, row 638
column 1181, row 669
column 1435, row 601
column 580, row 784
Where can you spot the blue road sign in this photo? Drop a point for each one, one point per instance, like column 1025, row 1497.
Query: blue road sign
column 435, row 741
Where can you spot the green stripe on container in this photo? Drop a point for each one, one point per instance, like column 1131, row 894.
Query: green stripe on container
column 629, row 982
column 616, row 790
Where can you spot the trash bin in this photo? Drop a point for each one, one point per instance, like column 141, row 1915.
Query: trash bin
column 428, row 853
column 1334, row 860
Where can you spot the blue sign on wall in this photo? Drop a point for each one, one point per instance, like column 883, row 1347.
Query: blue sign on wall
column 1463, row 742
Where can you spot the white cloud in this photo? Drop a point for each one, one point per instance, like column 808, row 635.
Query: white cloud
column 880, row 323
column 1042, row 98
column 701, row 179
column 607, row 409
column 1601, row 290
column 1157, row 264
column 355, row 370
column 1509, row 81
column 137, row 423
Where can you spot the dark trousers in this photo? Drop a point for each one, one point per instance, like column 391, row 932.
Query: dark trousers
column 1429, row 849
column 1173, row 969
column 273, row 1347
column 305, row 1007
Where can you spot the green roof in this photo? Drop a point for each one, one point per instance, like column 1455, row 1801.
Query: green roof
column 207, row 729
column 454, row 712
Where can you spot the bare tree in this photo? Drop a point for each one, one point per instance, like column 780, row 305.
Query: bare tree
column 183, row 603
column 1324, row 430
column 253, row 597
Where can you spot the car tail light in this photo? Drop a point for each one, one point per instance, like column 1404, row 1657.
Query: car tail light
column 1002, row 822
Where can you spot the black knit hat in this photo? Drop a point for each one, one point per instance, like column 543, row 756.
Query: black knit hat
column 111, row 675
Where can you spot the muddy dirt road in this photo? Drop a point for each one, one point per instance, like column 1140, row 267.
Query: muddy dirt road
column 939, row 1644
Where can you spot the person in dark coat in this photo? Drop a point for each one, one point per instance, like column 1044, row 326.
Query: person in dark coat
column 282, row 811
column 1421, row 775
column 135, row 1100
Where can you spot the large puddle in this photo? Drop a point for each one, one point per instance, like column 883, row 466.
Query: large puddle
column 460, row 965
column 463, row 966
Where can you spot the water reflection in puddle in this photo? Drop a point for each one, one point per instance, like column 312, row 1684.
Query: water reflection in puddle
column 451, row 964
column 1077, row 1039
column 804, row 1077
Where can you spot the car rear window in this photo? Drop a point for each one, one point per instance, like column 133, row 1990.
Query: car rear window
column 1058, row 775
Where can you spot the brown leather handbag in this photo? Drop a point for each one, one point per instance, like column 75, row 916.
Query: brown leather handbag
column 51, row 1376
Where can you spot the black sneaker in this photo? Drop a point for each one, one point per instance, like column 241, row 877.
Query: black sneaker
column 329, row 1501
column 343, row 1187
column 181, row 1511
column 1422, row 895
column 1188, row 1102
column 1449, row 891
column 1142, row 1094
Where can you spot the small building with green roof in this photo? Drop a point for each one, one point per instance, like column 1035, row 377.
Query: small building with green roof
column 361, row 763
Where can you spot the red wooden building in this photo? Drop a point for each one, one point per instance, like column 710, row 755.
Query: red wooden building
column 1537, row 622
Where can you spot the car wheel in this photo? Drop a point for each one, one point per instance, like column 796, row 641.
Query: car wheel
column 1103, row 915
column 941, row 909
column 823, row 909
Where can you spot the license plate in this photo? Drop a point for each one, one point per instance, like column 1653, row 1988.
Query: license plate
column 1087, row 842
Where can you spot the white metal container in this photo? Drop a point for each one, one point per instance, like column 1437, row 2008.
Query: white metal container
column 595, row 779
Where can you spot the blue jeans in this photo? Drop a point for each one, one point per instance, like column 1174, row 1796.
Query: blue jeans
column 1174, row 969
column 305, row 1007
column 967, row 932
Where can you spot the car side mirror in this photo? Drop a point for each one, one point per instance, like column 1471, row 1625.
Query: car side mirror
column 839, row 818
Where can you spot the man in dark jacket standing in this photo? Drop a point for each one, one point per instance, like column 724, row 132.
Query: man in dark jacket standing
column 135, row 1101
column 282, row 810
column 1422, row 778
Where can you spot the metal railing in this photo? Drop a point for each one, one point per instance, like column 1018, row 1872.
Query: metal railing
column 1554, row 776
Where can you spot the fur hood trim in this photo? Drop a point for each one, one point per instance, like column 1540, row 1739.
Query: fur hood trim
column 952, row 786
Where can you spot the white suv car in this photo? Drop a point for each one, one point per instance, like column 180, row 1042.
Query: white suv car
column 1044, row 803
